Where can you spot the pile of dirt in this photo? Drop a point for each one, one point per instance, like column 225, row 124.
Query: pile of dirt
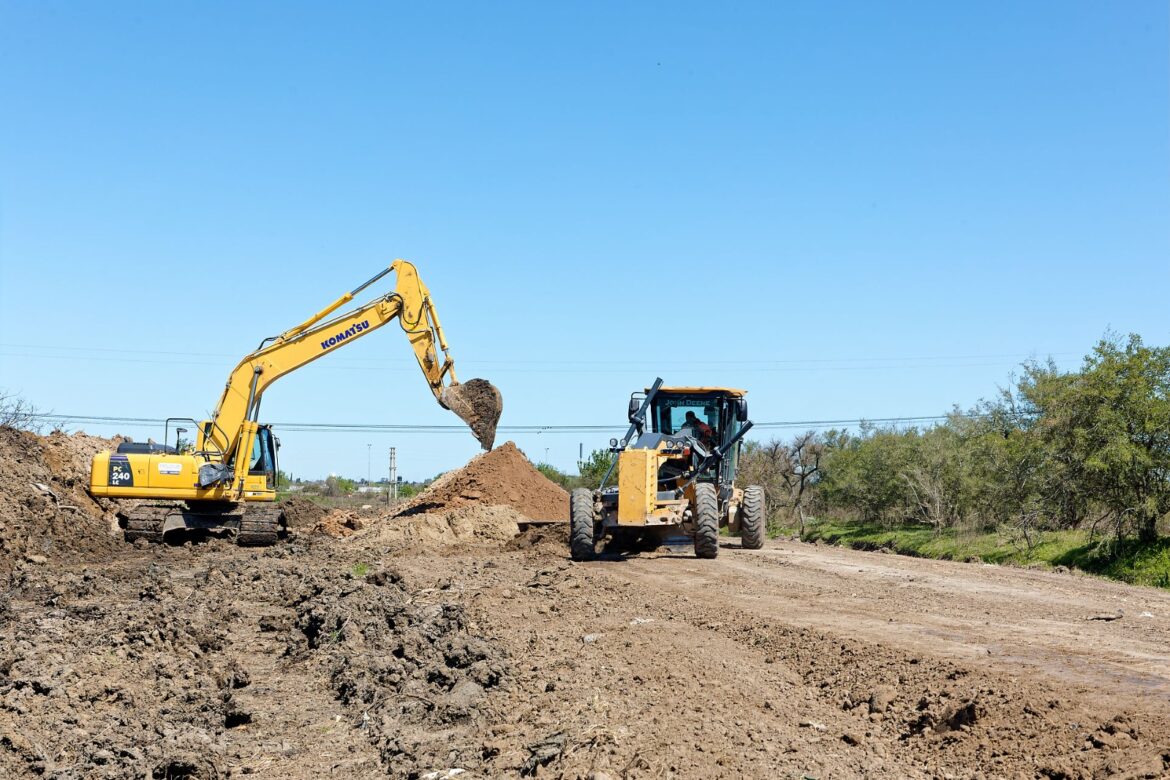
column 503, row 476
column 340, row 522
column 473, row 524
column 301, row 514
column 45, row 511
column 410, row 673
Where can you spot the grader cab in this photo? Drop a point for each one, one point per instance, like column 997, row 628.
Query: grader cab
column 675, row 473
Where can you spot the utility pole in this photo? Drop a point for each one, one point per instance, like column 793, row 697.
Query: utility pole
column 393, row 491
column 369, row 455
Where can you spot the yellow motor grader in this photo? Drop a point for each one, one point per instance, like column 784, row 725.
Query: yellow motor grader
column 675, row 473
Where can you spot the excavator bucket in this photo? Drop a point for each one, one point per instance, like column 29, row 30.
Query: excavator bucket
column 478, row 403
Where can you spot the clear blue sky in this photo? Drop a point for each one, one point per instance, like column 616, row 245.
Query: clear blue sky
column 850, row 209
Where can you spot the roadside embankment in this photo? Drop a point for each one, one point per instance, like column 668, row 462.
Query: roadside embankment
column 1127, row 561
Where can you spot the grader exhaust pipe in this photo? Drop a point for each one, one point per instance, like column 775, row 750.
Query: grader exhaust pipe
column 479, row 404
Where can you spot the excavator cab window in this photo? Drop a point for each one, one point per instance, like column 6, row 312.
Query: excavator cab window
column 263, row 453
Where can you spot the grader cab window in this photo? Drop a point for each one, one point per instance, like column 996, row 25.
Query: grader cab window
column 671, row 413
column 714, row 409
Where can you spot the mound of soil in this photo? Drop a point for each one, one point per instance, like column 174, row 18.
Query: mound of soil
column 474, row 524
column 504, row 477
column 301, row 514
column 340, row 522
column 45, row 511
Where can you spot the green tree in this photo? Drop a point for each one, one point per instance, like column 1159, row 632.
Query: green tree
column 594, row 467
column 864, row 473
column 1110, row 427
column 336, row 486
column 553, row 474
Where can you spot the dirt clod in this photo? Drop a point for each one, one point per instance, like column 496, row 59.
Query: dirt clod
column 881, row 699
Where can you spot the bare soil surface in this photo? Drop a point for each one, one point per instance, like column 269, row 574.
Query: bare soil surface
column 398, row 653
column 799, row 660
column 442, row 640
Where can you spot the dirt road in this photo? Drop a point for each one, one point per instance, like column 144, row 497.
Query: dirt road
column 360, row 657
column 801, row 660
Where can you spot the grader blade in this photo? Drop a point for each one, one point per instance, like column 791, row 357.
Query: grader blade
column 478, row 403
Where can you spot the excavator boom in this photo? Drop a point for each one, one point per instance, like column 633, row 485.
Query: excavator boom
column 477, row 403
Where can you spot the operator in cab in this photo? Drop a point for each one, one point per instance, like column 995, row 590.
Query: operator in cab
column 700, row 430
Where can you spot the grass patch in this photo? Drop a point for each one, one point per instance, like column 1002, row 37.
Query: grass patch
column 360, row 569
column 1128, row 561
column 951, row 544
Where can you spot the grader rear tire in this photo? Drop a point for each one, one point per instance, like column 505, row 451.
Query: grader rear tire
column 706, row 521
column 581, row 523
column 752, row 517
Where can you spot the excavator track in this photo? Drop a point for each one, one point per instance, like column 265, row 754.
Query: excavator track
column 259, row 527
column 143, row 522
column 252, row 526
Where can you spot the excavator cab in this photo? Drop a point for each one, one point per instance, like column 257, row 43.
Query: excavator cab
column 263, row 458
column 675, row 473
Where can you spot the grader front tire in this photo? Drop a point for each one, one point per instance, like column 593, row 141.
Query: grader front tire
column 706, row 521
column 581, row 523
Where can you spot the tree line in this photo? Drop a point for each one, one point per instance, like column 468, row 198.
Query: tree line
column 1056, row 449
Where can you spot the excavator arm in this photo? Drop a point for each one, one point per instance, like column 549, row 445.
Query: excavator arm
column 227, row 436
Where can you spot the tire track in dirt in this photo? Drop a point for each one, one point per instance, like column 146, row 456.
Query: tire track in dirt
column 791, row 662
column 1011, row 619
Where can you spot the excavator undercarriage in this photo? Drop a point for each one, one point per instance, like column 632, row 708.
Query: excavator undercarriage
column 251, row 526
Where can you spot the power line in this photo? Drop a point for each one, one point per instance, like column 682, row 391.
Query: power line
column 416, row 428
column 118, row 355
column 612, row 368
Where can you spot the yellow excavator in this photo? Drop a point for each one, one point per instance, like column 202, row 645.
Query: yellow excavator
column 226, row 481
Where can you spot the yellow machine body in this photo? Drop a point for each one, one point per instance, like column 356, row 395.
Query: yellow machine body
column 646, row 495
column 675, row 476
column 638, row 500
column 233, row 458
column 168, row 477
